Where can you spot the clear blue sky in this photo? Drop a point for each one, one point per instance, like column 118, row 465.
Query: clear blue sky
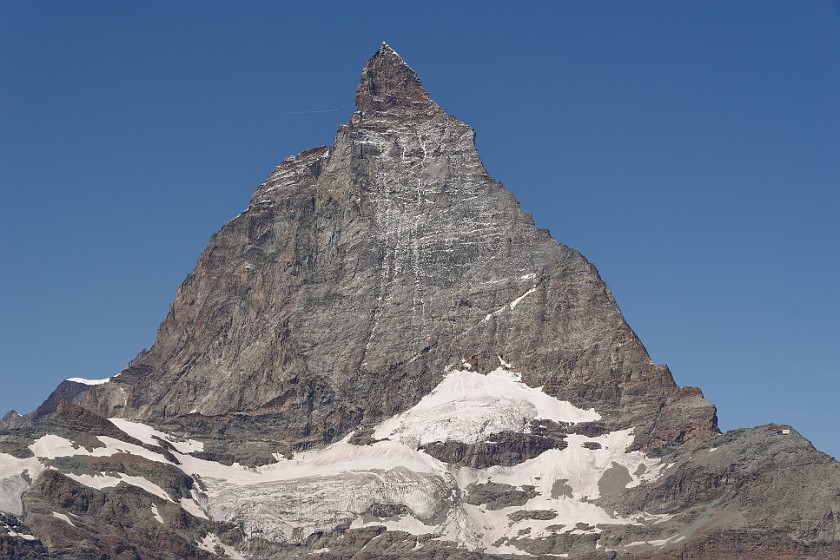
column 691, row 150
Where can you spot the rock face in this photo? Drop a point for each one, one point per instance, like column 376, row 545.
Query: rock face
column 359, row 273
column 413, row 369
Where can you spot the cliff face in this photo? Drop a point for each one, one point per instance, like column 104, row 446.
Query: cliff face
column 413, row 369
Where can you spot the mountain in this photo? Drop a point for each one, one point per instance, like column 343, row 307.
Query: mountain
column 383, row 357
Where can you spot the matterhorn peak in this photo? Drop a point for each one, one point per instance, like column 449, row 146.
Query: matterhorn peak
column 388, row 84
column 383, row 356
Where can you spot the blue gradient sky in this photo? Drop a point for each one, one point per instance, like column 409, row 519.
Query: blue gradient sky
column 690, row 150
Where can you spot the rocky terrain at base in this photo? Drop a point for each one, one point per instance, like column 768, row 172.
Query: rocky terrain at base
column 383, row 357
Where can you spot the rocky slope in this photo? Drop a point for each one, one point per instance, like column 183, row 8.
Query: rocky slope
column 383, row 357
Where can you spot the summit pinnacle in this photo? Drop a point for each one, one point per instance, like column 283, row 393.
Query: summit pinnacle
column 388, row 83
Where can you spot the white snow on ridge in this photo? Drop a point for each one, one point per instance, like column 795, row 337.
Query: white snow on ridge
column 658, row 543
column 84, row 381
column 468, row 406
column 13, row 483
column 52, row 446
column 102, row 481
column 147, row 434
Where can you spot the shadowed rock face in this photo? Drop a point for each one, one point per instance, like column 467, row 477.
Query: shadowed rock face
column 360, row 272
column 387, row 289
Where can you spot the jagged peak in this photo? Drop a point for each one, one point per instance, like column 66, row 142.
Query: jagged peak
column 388, row 83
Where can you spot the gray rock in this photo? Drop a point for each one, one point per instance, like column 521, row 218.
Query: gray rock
column 498, row 496
column 542, row 514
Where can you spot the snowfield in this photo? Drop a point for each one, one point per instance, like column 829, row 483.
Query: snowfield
column 468, row 406
column 346, row 484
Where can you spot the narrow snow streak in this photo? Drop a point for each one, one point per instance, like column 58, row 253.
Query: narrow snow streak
column 512, row 305
column 515, row 302
column 102, row 481
column 21, row 536
column 84, row 381
column 147, row 434
column 63, row 517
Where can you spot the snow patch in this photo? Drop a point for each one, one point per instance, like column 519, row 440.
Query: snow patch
column 84, row 381
column 148, row 434
column 658, row 542
column 191, row 506
column 50, row 446
column 156, row 514
column 21, row 536
column 511, row 306
column 15, row 478
column 113, row 446
column 515, row 302
column 211, row 543
column 581, row 469
column 468, row 406
column 105, row 481
column 63, row 517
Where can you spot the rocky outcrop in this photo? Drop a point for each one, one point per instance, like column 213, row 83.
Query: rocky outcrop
column 498, row 496
column 506, row 449
column 12, row 420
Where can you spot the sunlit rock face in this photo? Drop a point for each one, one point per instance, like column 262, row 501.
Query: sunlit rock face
column 383, row 357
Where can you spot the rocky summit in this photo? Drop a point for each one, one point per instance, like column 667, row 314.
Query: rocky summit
column 383, row 357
